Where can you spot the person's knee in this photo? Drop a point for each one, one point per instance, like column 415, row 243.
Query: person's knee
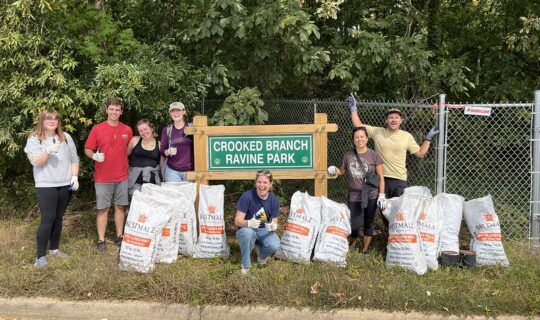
column 274, row 247
column 245, row 233
column 119, row 209
column 271, row 244
column 102, row 212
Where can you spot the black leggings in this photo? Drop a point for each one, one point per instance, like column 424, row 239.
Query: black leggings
column 361, row 217
column 52, row 203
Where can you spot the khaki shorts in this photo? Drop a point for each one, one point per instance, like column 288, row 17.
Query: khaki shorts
column 106, row 192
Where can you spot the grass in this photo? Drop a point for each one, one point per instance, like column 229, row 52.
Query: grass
column 365, row 283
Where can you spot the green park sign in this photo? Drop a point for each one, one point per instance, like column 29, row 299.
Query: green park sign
column 285, row 152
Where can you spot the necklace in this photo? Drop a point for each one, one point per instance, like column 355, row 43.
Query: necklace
column 150, row 145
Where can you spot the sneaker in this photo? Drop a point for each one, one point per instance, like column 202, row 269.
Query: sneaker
column 118, row 240
column 261, row 262
column 58, row 253
column 352, row 246
column 41, row 262
column 244, row 271
column 101, row 246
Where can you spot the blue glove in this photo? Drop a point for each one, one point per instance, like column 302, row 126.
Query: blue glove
column 351, row 100
column 433, row 132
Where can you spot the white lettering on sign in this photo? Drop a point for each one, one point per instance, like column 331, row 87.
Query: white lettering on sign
column 237, row 146
column 295, row 145
column 243, row 158
column 280, row 158
column 478, row 111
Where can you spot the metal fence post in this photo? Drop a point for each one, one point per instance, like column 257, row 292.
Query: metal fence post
column 535, row 175
column 441, row 154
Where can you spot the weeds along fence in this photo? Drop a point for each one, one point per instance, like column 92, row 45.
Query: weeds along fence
column 473, row 156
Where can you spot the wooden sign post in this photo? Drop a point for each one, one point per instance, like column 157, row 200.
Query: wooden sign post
column 236, row 152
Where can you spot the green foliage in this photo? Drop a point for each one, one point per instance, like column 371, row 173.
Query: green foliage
column 70, row 57
column 241, row 108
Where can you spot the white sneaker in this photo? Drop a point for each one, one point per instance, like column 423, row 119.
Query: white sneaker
column 58, row 253
column 244, row 271
column 41, row 262
column 260, row 261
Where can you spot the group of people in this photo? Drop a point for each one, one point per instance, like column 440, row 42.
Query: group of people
column 122, row 163
column 387, row 161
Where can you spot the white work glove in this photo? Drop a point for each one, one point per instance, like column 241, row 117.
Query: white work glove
column 272, row 226
column 171, row 151
column 74, row 185
column 53, row 148
column 382, row 202
column 98, row 156
column 254, row 223
column 332, row 170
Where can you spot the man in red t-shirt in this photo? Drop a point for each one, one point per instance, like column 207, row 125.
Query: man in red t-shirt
column 107, row 146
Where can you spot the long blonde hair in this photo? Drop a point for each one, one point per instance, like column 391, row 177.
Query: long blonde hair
column 39, row 131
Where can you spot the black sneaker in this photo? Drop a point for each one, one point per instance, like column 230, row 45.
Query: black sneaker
column 101, row 246
column 118, row 240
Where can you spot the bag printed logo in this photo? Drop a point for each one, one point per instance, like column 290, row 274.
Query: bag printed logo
column 488, row 217
column 142, row 218
column 212, row 209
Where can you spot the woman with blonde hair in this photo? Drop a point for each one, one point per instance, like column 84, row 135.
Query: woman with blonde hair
column 144, row 157
column 55, row 162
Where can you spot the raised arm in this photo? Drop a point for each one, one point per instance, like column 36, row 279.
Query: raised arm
column 351, row 100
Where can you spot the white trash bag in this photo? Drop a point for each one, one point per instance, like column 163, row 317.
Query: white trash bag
column 429, row 225
column 332, row 243
column 301, row 228
column 168, row 246
column 483, row 223
column 418, row 190
column 187, row 236
column 146, row 219
column 404, row 240
column 452, row 211
column 212, row 241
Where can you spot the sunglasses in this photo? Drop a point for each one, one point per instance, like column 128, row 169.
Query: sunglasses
column 264, row 173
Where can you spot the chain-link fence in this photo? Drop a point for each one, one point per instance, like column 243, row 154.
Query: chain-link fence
column 482, row 155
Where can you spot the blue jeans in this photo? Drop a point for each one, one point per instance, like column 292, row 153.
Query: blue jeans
column 171, row 175
column 247, row 238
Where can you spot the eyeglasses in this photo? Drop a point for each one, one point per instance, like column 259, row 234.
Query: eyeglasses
column 264, row 173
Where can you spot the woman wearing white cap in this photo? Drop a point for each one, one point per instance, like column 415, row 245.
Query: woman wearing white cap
column 176, row 146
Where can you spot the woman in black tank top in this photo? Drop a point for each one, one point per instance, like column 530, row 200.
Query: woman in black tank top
column 144, row 153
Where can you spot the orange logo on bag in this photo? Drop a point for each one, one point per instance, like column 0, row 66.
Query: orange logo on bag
column 488, row 217
column 212, row 209
column 400, row 217
column 142, row 218
column 423, row 216
column 299, row 211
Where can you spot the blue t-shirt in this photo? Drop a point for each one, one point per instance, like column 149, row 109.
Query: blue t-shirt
column 252, row 205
